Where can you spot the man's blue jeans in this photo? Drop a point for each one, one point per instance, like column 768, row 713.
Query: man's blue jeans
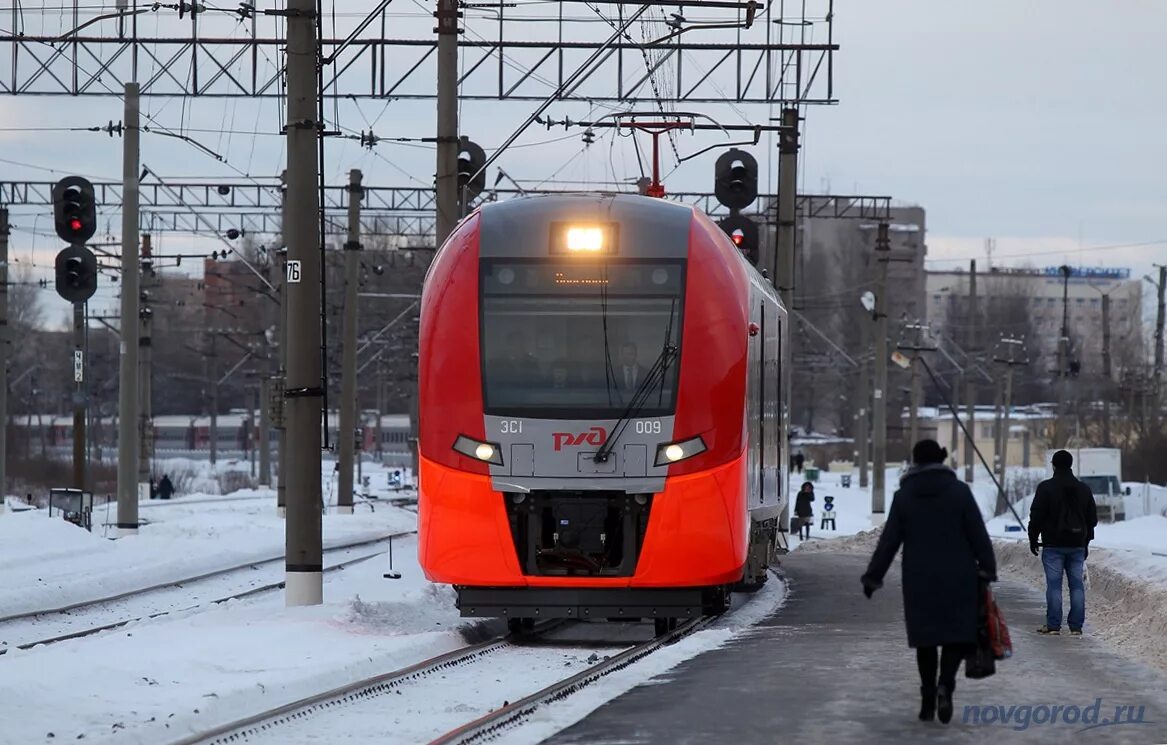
column 1071, row 561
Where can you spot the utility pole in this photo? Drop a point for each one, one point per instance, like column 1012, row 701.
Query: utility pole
column 303, row 393
column 862, row 416
column 281, row 377
column 5, row 352
column 145, row 378
column 970, row 381
column 1157, row 391
column 380, row 404
column 264, row 437
column 348, row 386
column 954, row 434
column 879, row 395
column 1003, row 461
column 914, row 407
column 1063, row 359
column 1106, row 369
column 127, row 522
column 786, row 234
column 213, row 386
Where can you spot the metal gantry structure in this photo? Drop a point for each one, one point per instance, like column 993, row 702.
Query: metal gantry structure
column 408, row 213
column 225, row 54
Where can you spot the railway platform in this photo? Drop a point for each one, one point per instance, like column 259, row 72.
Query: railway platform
column 832, row 666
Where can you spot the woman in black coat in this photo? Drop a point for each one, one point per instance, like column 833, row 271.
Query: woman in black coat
column 937, row 520
column 802, row 509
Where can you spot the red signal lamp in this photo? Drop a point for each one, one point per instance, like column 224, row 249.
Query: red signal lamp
column 738, row 237
column 75, row 223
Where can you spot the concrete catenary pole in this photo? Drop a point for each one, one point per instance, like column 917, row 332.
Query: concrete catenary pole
column 127, row 521
column 348, row 385
column 280, row 383
column 145, row 377
column 304, row 553
column 5, row 352
column 879, row 394
column 787, row 225
column 79, row 397
column 447, row 162
column 970, row 380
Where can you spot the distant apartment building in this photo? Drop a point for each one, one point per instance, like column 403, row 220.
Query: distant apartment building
column 835, row 264
column 1031, row 303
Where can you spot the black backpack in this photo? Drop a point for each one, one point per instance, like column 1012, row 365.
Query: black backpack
column 1070, row 514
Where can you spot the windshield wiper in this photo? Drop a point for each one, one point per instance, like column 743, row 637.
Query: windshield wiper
column 609, row 375
column 655, row 377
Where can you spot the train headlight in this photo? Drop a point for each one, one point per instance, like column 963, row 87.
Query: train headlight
column 589, row 240
column 674, row 452
column 487, row 452
column 584, row 239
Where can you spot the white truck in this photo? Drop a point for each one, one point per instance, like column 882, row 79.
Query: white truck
column 1101, row 470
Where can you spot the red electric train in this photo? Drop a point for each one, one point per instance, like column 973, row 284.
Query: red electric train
column 603, row 412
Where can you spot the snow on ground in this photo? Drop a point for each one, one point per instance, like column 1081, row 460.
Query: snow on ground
column 155, row 681
column 49, row 563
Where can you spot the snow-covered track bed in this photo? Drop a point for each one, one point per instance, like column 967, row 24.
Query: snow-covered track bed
column 298, row 720
column 51, row 625
column 466, row 694
column 511, row 715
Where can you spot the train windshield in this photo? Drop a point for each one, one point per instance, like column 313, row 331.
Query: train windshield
column 565, row 340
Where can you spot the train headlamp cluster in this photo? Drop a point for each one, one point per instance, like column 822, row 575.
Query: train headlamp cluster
column 487, row 452
column 583, row 238
column 673, row 452
column 589, row 239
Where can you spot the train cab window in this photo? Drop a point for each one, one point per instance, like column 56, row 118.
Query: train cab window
column 569, row 340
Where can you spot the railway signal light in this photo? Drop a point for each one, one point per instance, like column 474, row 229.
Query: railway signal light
column 471, row 158
column 744, row 233
column 76, row 268
column 74, row 210
column 736, row 174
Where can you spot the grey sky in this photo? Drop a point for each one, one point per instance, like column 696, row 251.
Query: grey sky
column 1039, row 124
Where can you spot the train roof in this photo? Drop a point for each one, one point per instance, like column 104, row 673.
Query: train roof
column 648, row 227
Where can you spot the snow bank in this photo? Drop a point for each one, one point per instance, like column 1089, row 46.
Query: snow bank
column 30, row 538
column 154, row 681
column 1126, row 596
column 49, row 563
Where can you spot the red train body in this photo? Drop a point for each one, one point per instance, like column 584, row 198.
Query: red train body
column 602, row 411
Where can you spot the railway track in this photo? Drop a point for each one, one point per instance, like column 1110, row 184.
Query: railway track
column 287, row 723
column 91, row 606
column 514, row 714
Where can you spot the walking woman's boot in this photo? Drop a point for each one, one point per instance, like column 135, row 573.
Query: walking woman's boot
column 927, row 703
column 944, row 703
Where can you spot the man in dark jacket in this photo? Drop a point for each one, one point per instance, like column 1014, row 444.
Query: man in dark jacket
column 1063, row 515
column 946, row 546
column 165, row 487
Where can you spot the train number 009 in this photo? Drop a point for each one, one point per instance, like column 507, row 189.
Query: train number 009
column 511, row 426
column 651, row 427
